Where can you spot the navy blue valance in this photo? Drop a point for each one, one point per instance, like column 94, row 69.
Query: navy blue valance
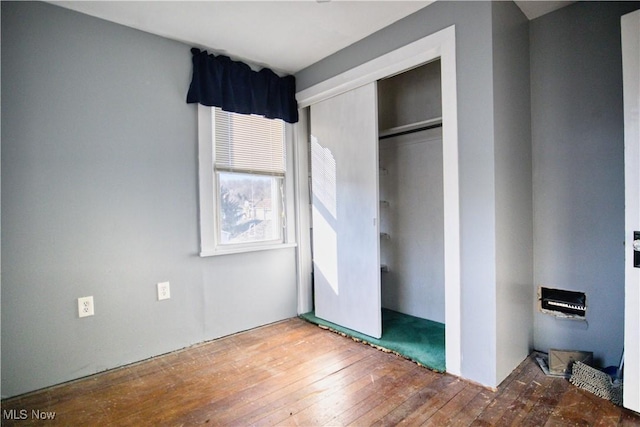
column 233, row 86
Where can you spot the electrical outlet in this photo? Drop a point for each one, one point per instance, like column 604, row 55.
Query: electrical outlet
column 164, row 292
column 85, row 307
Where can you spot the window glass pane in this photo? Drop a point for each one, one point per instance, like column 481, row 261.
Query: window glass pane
column 250, row 208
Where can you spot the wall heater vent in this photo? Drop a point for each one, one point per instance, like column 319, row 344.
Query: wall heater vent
column 563, row 303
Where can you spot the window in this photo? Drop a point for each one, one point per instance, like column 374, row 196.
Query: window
column 249, row 208
column 243, row 167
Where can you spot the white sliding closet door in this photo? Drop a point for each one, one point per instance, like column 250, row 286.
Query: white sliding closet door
column 346, row 239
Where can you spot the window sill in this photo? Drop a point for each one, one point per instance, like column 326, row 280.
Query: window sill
column 241, row 250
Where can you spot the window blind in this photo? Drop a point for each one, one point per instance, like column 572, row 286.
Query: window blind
column 248, row 143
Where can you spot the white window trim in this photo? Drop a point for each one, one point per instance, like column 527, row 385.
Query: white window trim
column 207, row 191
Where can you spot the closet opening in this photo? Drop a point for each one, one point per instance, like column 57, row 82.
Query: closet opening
column 411, row 197
column 406, row 185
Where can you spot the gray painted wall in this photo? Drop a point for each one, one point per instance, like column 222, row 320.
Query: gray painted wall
column 414, row 220
column 514, row 199
column 578, row 181
column 410, row 97
column 476, row 153
column 99, row 197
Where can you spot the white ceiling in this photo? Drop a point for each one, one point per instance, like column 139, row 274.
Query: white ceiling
column 534, row 9
column 286, row 36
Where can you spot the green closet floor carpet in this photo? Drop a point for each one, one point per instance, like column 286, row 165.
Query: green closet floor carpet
column 416, row 339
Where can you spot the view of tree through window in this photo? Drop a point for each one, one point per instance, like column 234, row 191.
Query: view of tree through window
column 249, row 207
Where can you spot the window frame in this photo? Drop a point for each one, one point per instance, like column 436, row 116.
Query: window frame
column 209, row 195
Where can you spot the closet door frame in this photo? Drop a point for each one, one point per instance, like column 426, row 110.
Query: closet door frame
column 440, row 45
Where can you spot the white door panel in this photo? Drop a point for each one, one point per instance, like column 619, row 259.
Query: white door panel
column 344, row 177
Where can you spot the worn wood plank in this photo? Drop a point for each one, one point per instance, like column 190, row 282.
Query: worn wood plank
column 472, row 410
column 316, row 392
column 297, row 374
column 534, row 385
column 510, row 398
column 546, row 399
column 375, row 400
column 629, row 418
column 292, row 373
column 448, row 414
column 422, row 405
column 346, row 395
column 305, row 387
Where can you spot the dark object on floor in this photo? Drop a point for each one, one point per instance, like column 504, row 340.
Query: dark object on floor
column 596, row 382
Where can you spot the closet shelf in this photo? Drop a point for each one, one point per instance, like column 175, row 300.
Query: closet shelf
column 411, row 127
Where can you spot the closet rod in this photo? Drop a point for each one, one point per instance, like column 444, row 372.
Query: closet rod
column 412, row 128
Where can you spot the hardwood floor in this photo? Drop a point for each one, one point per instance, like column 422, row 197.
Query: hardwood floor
column 294, row 373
